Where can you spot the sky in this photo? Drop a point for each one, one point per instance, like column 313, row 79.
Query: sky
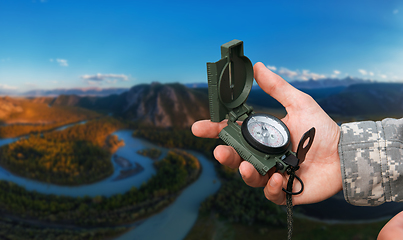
column 49, row 44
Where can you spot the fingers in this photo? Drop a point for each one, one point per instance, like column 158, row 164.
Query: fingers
column 207, row 128
column 273, row 190
column 227, row 156
column 251, row 176
column 274, row 85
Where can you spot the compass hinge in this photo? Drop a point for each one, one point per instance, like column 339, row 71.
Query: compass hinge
column 236, row 113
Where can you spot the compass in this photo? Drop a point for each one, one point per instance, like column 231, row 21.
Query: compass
column 266, row 133
column 262, row 139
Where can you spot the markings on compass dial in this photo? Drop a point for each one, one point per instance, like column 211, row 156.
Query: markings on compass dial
column 266, row 134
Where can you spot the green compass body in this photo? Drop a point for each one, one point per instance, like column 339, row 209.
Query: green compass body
column 262, row 139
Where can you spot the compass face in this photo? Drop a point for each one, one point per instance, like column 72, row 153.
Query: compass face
column 266, row 133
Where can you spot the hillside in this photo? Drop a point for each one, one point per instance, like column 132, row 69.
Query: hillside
column 372, row 101
column 328, row 83
column 37, row 111
column 161, row 105
column 367, row 100
column 258, row 97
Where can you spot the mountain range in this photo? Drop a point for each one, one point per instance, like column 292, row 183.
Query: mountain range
column 309, row 84
column 76, row 91
column 97, row 91
column 175, row 105
column 161, row 105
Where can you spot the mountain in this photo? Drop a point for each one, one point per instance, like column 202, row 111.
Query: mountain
column 165, row 105
column 258, row 97
column 175, row 105
column 376, row 99
column 7, row 92
column 161, row 105
column 9, row 106
column 328, row 83
column 196, row 85
column 75, row 91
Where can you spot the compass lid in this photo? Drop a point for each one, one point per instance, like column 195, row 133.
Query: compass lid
column 229, row 80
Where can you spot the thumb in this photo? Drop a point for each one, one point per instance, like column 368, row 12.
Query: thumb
column 393, row 229
column 274, row 85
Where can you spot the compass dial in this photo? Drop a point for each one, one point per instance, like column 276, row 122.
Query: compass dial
column 266, row 133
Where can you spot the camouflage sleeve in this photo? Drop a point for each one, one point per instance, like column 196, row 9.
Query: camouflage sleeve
column 371, row 161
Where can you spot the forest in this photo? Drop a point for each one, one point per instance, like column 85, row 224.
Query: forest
column 77, row 155
column 174, row 172
column 177, row 138
column 153, row 153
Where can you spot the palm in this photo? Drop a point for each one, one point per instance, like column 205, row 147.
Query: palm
column 321, row 167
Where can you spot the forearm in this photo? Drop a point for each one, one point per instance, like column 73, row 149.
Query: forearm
column 371, row 161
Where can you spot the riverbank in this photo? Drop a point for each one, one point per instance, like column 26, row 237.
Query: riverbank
column 129, row 172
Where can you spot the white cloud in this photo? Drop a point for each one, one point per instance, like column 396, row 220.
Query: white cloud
column 383, row 76
column 273, row 68
column 298, row 75
column 396, row 11
column 337, row 72
column 370, row 73
column 288, row 73
column 306, row 75
column 8, row 87
column 363, row 72
column 108, row 78
column 62, row 62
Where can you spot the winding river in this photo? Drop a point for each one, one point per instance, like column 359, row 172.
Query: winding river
column 174, row 222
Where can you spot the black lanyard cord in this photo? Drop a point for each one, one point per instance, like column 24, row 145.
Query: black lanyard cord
column 289, row 194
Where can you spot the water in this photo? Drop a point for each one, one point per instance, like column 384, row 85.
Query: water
column 69, row 125
column 106, row 187
column 175, row 221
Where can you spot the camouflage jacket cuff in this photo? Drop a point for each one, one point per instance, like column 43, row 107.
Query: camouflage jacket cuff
column 370, row 155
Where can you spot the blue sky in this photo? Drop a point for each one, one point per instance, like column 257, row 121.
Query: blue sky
column 47, row 44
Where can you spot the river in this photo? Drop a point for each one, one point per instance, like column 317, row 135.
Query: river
column 174, row 222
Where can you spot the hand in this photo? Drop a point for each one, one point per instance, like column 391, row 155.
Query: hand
column 393, row 229
column 320, row 171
